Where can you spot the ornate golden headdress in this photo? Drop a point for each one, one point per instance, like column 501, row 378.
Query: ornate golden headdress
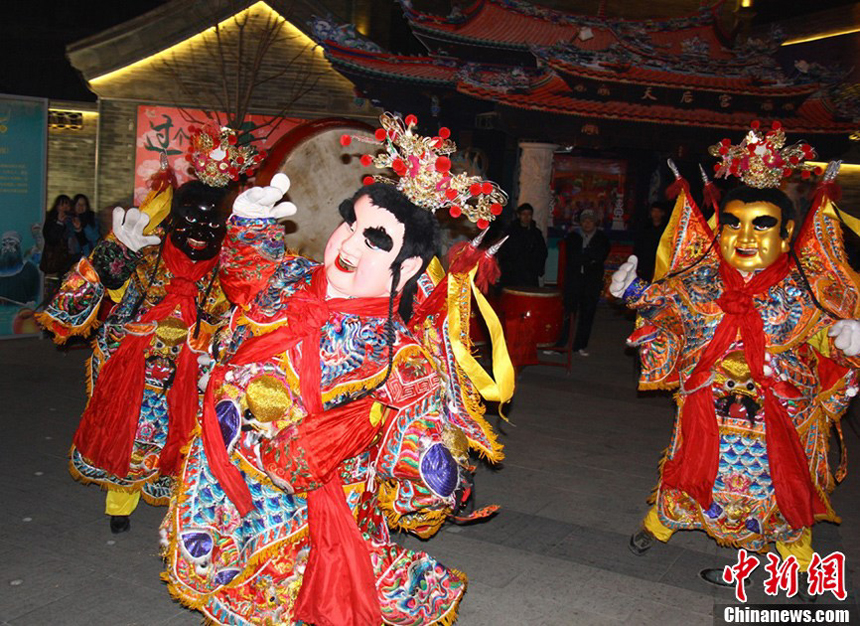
column 423, row 168
column 762, row 159
column 217, row 158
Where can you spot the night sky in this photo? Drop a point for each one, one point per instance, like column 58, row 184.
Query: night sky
column 34, row 35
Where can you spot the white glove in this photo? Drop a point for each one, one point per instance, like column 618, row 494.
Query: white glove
column 128, row 228
column 259, row 202
column 623, row 276
column 846, row 336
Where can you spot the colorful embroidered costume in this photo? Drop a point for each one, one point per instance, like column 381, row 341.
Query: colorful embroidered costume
column 760, row 382
column 142, row 375
column 137, row 450
column 292, row 423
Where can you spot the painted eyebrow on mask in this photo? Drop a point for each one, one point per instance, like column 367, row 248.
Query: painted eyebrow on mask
column 765, row 221
column 379, row 238
column 731, row 220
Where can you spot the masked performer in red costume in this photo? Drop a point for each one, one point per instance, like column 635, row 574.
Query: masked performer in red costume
column 761, row 339
column 142, row 376
column 340, row 406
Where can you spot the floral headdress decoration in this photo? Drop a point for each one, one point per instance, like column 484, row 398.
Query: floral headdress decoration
column 423, row 167
column 762, row 159
column 217, row 158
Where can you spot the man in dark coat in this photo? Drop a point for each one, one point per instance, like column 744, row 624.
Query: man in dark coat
column 648, row 240
column 583, row 282
column 523, row 257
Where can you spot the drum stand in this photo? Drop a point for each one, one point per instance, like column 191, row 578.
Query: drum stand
column 566, row 349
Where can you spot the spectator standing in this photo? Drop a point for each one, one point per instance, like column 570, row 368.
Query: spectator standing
column 648, row 240
column 56, row 257
column 583, row 283
column 523, row 257
column 84, row 231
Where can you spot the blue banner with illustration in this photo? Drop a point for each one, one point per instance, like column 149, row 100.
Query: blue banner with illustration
column 23, row 158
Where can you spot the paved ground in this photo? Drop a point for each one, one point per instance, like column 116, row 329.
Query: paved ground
column 581, row 459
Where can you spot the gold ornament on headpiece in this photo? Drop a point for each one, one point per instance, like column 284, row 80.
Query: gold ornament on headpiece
column 762, row 159
column 217, row 158
column 423, row 167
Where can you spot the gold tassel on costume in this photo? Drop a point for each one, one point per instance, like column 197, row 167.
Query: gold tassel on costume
column 501, row 389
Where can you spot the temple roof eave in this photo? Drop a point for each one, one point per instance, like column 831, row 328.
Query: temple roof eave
column 665, row 78
column 700, row 118
column 161, row 28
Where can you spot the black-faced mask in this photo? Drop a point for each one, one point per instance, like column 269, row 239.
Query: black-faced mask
column 198, row 229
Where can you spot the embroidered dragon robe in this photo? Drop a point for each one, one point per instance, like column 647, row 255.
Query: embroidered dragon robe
column 680, row 318
column 249, row 569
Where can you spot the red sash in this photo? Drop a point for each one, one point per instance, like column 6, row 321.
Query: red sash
column 338, row 587
column 693, row 468
column 105, row 436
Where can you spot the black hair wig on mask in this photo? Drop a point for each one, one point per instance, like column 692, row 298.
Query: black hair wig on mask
column 420, row 238
column 754, row 194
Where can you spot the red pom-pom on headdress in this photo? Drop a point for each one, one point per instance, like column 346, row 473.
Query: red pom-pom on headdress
column 423, row 168
column 762, row 159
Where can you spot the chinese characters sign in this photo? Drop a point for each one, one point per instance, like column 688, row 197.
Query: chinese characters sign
column 824, row 575
column 165, row 130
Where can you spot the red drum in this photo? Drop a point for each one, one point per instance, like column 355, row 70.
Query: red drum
column 538, row 309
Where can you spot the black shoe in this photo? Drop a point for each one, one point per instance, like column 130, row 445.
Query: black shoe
column 714, row 575
column 119, row 524
column 803, row 590
column 640, row 542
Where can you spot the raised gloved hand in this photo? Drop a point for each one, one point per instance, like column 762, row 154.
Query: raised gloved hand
column 846, row 336
column 623, row 276
column 128, row 229
column 260, row 202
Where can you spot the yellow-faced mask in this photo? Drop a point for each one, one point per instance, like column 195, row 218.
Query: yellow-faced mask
column 750, row 237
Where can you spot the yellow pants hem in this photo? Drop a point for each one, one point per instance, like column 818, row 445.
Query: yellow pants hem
column 121, row 502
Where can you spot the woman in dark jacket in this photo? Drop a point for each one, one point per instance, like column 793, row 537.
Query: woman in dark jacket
column 57, row 258
column 84, row 233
